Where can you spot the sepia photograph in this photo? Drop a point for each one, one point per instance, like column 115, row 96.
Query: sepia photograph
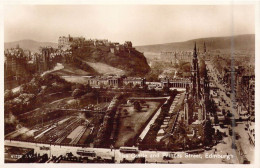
column 129, row 83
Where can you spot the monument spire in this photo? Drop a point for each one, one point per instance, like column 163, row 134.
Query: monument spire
column 195, row 51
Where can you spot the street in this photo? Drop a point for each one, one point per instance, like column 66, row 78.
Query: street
column 247, row 147
column 211, row 156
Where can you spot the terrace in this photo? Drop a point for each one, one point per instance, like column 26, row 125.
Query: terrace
column 132, row 122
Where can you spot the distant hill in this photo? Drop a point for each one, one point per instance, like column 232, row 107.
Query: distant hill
column 241, row 42
column 29, row 45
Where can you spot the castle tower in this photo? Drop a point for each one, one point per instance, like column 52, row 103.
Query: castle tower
column 195, row 76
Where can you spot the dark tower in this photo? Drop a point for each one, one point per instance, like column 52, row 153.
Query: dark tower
column 175, row 57
column 195, row 75
column 205, row 50
column 206, row 86
column 46, row 58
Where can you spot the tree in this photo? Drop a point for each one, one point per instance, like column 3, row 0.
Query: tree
column 145, row 88
column 137, row 106
column 128, row 86
column 218, row 136
column 208, row 132
column 77, row 93
column 8, row 95
column 182, row 128
column 80, row 86
column 171, row 144
column 216, row 121
column 125, row 111
column 88, row 88
column 137, row 86
column 166, row 90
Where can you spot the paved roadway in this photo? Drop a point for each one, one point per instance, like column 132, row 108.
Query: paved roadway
column 151, row 156
column 222, row 92
column 247, row 148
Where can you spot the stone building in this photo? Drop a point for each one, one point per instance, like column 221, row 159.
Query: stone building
column 247, row 96
column 15, row 63
column 128, row 44
column 103, row 81
column 64, row 43
column 177, row 56
column 175, row 82
column 114, row 81
column 134, row 81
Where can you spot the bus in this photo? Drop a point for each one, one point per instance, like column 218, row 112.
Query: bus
column 129, row 149
column 86, row 153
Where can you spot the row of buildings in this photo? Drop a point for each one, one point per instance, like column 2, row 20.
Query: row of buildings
column 16, row 66
column 20, row 65
column 121, row 81
column 176, row 57
column 184, row 56
column 239, row 81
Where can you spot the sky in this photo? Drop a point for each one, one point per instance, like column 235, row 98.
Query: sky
column 141, row 24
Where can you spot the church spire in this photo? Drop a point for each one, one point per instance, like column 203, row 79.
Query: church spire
column 195, row 51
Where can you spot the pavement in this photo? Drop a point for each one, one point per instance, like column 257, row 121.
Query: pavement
column 248, row 149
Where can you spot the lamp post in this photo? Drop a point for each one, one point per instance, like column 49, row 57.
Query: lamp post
column 112, row 148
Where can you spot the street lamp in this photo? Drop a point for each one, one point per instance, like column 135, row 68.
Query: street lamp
column 112, row 148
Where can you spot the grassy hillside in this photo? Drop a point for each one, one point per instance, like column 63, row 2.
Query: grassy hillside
column 240, row 42
column 105, row 69
column 29, row 45
column 70, row 70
